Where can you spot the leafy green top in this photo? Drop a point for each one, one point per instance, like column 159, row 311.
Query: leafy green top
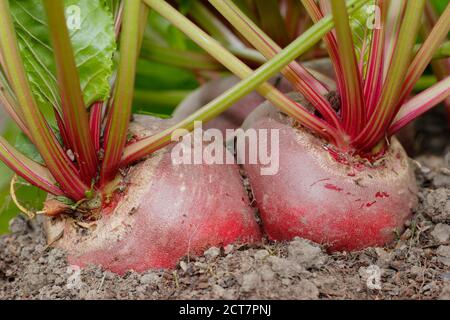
column 91, row 28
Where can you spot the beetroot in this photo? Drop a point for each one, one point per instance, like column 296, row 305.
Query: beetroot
column 181, row 214
column 331, row 198
column 344, row 182
column 167, row 212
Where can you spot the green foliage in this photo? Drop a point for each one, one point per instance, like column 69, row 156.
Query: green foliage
column 29, row 196
column 25, row 146
column 361, row 22
column 440, row 5
column 7, row 211
column 160, row 88
column 112, row 5
column 93, row 41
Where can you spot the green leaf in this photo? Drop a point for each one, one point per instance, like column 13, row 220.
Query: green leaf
column 26, row 147
column 65, row 200
column 160, row 88
column 112, row 5
column 91, row 28
column 163, row 33
column 5, row 213
column 157, row 76
column 9, row 131
column 30, row 196
column 154, row 114
column 440, row 5
column 361, row 23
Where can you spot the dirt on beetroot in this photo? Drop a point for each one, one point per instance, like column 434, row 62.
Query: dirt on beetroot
column 416, row 266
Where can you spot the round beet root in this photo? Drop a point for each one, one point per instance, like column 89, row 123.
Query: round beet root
column 333, row 199
column 167, row 212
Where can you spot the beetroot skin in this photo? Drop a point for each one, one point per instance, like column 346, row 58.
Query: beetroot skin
column 167, row 212
column 346, row 206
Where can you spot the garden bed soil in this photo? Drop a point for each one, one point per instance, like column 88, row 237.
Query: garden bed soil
column 416, row 266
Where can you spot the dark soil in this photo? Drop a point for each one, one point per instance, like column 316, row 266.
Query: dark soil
column 417, row 266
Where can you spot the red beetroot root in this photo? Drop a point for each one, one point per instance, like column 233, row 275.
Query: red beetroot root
column 167, row 212
column 314, row 196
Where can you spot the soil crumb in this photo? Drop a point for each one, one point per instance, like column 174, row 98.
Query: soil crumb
column 416, row 266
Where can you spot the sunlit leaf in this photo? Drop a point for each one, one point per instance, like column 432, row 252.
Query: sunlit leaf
column 91, row 29
column 362, row 24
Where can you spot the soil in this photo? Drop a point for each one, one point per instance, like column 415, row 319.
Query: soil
column 416, row 266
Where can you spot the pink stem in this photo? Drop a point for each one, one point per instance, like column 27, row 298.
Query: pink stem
column 95, row 123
